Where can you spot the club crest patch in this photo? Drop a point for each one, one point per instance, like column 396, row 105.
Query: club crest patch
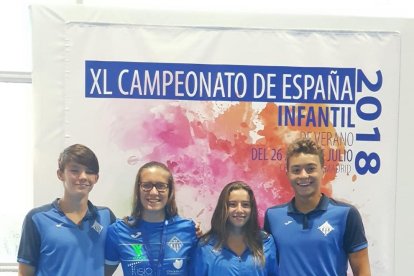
column 175, row 244
column 97, row 227
column 326, row 228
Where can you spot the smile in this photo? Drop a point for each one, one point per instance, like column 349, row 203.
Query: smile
column 304, row 184
column 84, row 185
column 153, row 200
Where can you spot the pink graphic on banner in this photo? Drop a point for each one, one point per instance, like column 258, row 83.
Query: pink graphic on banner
column 205, row 151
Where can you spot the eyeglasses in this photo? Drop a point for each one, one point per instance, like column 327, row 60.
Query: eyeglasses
column 148, row 186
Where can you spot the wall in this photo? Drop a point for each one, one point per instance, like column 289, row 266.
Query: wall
column 271, row 19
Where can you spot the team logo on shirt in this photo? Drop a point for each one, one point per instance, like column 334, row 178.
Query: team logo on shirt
column 216, row 251
column 178, row 264
column 138, row 251
column 97, row 227
column 326, row 228
column 136, row 235
column 175, row 244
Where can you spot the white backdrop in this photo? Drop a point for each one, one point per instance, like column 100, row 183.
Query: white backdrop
column 55, row 122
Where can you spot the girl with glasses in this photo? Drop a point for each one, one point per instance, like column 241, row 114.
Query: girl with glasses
column 153, row 240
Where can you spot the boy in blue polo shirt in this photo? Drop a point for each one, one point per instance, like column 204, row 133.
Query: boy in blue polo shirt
column 315, row 235
column 67, row 237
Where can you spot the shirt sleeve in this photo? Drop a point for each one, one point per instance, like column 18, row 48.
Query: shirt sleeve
column 111, row 246
column 193, row 246
column 198, row 264
column 270, row 252
column 112, row 216
column 266, row 226
column 354, row 238
column 29, row 247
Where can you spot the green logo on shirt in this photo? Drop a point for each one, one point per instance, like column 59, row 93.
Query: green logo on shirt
column 138, row 251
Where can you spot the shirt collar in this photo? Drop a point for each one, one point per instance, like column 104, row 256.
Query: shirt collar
column 322, row 205
column 91, row 213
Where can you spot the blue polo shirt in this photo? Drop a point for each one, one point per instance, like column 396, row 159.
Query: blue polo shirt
column 316, row 243
column 223, row 261
column 55, row 245
column 160, row 248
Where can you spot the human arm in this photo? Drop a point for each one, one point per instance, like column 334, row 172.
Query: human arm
column 112, row 216
column 359, row 263
column 270, row 252
column 198, row 264
column 111, row 252
column 26, row 270
column 110, row 269
column 29, row 247
column 355, row 243
column 266, row 226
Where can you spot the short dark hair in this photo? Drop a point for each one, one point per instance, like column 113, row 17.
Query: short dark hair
column 79, row 154
column 304, row 145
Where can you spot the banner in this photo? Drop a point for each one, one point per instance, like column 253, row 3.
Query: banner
column 222, row 104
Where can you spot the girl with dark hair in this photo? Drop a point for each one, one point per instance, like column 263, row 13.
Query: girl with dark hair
column 235, row 245
column 153, row 240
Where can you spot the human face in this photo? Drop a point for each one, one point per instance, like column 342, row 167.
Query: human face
column 77, row 179
column 305, row 174
column 239, row 209
column 154, row 201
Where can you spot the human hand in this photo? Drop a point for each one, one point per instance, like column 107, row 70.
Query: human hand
column 199, row 232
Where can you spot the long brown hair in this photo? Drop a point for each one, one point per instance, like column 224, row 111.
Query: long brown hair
column 220, row 225
column 137, row 208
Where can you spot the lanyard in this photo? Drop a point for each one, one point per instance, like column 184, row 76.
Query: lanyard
column 156, row 266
